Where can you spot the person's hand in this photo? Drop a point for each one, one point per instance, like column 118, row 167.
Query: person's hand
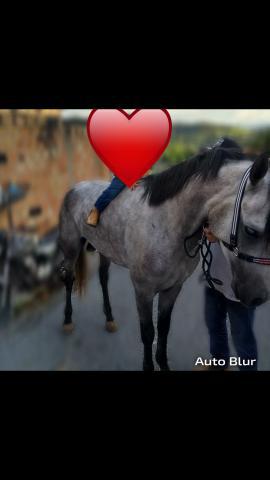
column 209, row 235
column 136, row 184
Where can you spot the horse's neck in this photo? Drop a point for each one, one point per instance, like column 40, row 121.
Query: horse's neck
column 190, row 206
column 194, row 202
column 227, row 183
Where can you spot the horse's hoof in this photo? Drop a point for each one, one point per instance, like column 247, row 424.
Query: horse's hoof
column 148, row 367
column 111, row 327
column 68, row 328
column 164, row 368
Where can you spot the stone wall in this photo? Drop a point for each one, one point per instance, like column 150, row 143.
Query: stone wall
column 48, row 154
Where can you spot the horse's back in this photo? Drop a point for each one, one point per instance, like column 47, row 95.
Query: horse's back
column 81, row 198
column 109, row 237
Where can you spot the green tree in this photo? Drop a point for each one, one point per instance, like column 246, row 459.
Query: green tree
column 260, row 141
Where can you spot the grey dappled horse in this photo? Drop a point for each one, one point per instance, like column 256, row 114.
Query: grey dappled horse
column 144, row 231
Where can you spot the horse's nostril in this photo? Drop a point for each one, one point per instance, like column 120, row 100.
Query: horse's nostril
column 257, row 301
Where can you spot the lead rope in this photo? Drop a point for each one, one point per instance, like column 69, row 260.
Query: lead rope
column 204, row 247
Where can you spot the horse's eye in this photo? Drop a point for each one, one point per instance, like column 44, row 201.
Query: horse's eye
column 251, row 232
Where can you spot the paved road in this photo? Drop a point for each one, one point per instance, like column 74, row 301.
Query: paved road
column 35, row 341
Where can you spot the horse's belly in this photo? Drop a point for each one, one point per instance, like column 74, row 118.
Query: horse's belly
column 107, row 246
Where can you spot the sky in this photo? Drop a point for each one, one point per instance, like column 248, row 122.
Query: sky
column 249, row 118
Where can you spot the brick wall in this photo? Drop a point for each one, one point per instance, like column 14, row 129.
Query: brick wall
column 48, row 154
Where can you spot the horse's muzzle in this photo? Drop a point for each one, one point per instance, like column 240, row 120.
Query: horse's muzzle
column 250, row 300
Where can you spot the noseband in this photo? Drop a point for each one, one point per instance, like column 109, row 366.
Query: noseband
column 233, row 245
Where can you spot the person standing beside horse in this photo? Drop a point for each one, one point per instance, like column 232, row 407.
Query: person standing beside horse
column 220, row 302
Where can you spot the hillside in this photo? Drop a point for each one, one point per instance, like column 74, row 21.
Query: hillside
column 187, row 139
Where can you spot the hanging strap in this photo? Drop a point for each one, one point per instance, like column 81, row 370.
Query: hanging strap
column 237, row 207
column 204, row 247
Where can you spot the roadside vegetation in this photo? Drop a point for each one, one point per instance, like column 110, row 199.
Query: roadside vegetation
column 187, row 139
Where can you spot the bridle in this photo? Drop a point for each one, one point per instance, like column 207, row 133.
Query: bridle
column 204, row 246
column 233, row 245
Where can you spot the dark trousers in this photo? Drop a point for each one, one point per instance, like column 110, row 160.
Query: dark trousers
column 241, row 320
column 115, row 187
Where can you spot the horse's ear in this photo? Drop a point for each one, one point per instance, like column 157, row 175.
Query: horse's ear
column 259, row 168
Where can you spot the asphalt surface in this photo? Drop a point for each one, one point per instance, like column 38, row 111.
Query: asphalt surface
column 35, row 340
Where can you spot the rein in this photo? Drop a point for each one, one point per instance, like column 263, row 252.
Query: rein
column 204, row 247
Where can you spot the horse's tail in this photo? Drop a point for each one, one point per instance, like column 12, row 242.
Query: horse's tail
column 81, row 273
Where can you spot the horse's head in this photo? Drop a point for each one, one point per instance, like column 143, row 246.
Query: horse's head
column 251, row 281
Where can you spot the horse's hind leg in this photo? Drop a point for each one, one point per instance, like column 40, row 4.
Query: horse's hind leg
column 71, row 248
column 167, row 300
column 104, row 279
column 68, row 278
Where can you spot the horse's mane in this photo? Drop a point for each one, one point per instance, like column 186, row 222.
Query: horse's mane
column 205, row 165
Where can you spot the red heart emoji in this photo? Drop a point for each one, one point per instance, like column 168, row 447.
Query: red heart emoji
column 129, row 145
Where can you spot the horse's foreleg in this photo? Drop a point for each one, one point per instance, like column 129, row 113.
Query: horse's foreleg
column 104, row 279
column 166, row 303
column 145, row 309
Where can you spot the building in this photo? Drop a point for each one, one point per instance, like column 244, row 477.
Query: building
column 40, row 149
